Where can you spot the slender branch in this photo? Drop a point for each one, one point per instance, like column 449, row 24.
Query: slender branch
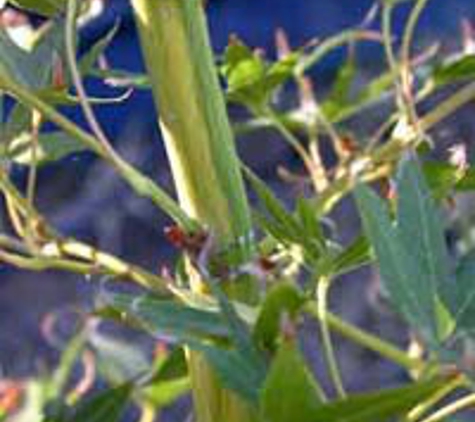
column 440, row 394
column 70, row 48
column 452, row 408
column 328, row 349
column 364, row 338
column 332, row 43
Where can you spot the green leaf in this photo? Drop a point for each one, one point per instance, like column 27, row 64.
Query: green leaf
column 281, row 298
column 170, row 381
column 458, row 295
column 282, row 219
column 251, row 80
column 168, row 318
column 377, row 407
column 420, row 230
column 340, row 94
column 451, row 71
column 89, row 59
column 42, row 7
column 400, row 273
column 32, row 68
column 203, row 331
column 372, row 93
column 290, row 392
column 443, row 178
column 117, row 359
column 50, row 147
column 355, row 255
column 106, row 406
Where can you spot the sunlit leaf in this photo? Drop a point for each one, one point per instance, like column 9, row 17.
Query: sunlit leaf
column 460, row 69
column 41, row 7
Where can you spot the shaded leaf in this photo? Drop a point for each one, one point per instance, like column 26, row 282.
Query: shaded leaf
column 290, row 392
column 379, row 406
column 32, row 68
column 117, row 359
column 355, row 255
column 458, row 295
column 420, row 230
column 106, row 406
column 203, row 331
column 168, row 318
column 399, row 271
column 170, row 381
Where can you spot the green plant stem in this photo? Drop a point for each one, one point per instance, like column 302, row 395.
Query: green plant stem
column 72, row 11
column 200, row 147
column 193, row 119
column 426, row 405
column 327, row 46
column 452, row 408
column 294, row 143
column 365, row 339
column 328, row 349
column 139, row 182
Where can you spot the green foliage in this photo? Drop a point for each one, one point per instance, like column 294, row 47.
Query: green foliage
column 33, row 67
column 108, row 405
column 42, row 7
column 379, row 406
column 411, row 252
column 241, row 293
column 227, row 347
column 290, row 391
column 457, row 70
column 282, row 300
column 250, row 80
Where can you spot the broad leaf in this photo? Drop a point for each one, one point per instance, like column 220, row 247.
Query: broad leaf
column 290, row 392
column 400, row 273
column 203, row 331
column 420, row 229
column 171, row 319
column 377, row 407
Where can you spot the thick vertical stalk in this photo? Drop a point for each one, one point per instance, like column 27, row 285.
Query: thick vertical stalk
column 201, row 152
column 193, row 117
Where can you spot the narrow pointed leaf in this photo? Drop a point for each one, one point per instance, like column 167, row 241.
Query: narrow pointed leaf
column 399, row 272
column 290, row 392
column 377, row 407
column 106, row 406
